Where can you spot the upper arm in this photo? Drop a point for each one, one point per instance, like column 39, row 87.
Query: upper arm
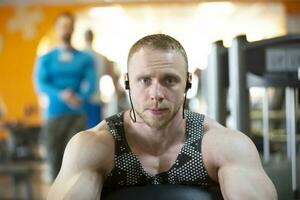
column 40, row 74
column 241, row 175
column 41, row 77
column 82, row 171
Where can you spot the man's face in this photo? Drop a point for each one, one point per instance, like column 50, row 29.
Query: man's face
column 157, row 82
column 64, row 28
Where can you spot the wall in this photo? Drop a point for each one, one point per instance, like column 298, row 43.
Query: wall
column 18, row 52
column 17, row 55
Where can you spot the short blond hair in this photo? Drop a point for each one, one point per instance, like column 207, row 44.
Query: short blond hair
column 157, row 41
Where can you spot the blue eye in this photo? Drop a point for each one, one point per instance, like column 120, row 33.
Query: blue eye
column 170, row 81
column 145, row 81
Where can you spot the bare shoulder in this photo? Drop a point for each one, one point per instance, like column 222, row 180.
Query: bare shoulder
column 232, row 158
column 228, row 145
column 87, row 159
column 91, row 148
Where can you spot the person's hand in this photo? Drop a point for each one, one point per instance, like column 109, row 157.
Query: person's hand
column 70, row 98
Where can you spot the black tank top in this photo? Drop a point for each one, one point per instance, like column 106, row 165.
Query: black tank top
column 188, row 168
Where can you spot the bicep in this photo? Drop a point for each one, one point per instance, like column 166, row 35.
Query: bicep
column 240, row 173
column 242, row 182
column 79, row 176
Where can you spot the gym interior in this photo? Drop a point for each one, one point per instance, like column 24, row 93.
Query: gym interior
column 244, row 57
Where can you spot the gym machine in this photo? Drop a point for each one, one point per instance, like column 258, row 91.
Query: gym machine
column 266, row 63
column 270, row 63
column 216, row 94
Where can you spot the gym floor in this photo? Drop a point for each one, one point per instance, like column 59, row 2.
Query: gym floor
column 14, row 185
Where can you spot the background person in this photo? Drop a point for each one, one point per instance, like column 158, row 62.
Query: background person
column 103, row 66
column 59, row 75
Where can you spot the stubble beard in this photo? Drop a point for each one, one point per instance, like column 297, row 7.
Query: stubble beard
column 66, row 39
column 159, row 122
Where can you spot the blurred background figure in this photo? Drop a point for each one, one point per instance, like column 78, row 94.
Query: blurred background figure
column 66, row 77
column 95, row 107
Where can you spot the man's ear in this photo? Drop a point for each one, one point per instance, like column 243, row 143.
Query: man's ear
column 190, row 76
column 126, row 81
column 188, row 82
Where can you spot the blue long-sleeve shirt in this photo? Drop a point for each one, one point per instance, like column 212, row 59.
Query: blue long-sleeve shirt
column 64, row 69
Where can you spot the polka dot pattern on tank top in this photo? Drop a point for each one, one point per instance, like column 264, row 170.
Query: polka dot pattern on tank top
column 187, row 169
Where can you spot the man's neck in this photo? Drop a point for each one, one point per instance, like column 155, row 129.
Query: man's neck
column 157, row 140
column 65, row 45
column 89, row 46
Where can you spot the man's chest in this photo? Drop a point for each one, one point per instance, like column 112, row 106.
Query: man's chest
column 155, row 164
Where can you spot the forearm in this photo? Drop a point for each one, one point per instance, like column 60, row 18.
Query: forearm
column 47, row 89
column 84, row 185
column 243, row 184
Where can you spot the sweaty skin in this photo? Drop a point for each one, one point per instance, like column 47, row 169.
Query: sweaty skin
column 157, row 82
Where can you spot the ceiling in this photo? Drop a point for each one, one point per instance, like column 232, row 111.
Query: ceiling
column 60, row 2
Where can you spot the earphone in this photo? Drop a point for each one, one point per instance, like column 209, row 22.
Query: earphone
column 127, row 85
column 187, row 87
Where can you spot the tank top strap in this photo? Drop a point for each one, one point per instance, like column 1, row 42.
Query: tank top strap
column 195, row 129
column 116, row 127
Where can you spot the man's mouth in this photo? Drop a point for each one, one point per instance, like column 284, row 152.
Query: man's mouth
column 157, row 111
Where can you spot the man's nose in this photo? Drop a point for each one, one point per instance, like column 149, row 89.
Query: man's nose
column 156, row 92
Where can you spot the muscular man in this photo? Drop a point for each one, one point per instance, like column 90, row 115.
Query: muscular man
column 60, row 75
column 156, row 142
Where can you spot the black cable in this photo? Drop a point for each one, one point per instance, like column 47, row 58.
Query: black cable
column 132, row 109
column 183, row 115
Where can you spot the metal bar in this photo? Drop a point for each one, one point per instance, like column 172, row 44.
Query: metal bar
column 238, row 91
column 266, row 138
column 217, row 93
column 288, row 127
column 28, row 192
column 291, row 119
